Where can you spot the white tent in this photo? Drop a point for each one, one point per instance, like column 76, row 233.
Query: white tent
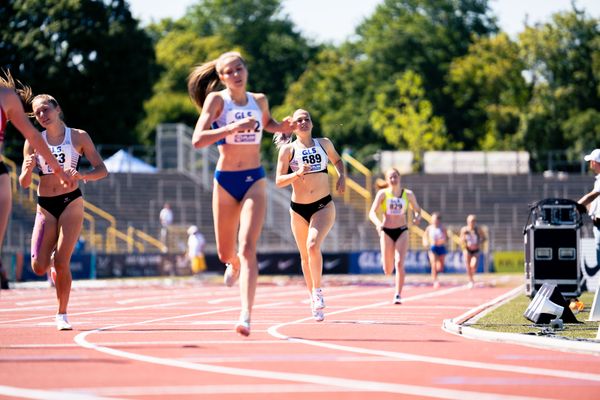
column 122, row 161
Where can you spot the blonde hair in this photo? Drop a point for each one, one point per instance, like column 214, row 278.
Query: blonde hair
column 50, row 99
column 281, row 138
column 382, row 183
column 205, row 78
column 23, row 91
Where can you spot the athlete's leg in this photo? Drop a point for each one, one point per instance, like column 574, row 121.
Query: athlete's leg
column 43, row 241
column 401, row 249
column 70, row 223
column 300, row 231
column 433, row 264
column 226, row 216
column 387, row 253
column 252, row 215
column 5, row 205
column 440, row 262
column 321, row 223
column 471, row 263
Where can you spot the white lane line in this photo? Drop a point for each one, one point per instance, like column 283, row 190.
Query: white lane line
column 563, row 374
column 213, row 389
column 103, row 310
column 46, row 394
column 187, row 343
column 345, row 383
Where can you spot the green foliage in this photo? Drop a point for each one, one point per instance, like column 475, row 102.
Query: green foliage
column 91, row 55
column 424, row 36
column 334, row 90
column 509, row 318
column 487, row 85
column 582, row 130
column 406, row 118
column 562, row 59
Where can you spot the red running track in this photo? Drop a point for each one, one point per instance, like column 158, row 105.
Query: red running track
column 174, row 340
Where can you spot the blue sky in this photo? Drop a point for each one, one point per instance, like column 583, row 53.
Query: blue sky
column 335, row 20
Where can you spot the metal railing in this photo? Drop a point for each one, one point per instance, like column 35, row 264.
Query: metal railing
column 96, row 240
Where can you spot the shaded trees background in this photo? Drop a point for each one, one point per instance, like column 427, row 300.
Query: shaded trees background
column 416, row 75
column 91, row 55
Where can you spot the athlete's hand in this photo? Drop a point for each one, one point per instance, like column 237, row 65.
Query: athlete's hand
column 288, row 125
column 66, row 180
column 341, row 184
column 29, row 162
column 417, row 219
column 248, row 124
column 304, row 168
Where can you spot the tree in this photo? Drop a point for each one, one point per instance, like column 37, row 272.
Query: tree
column 424, row 36
column 91, row 55
column 488, row 88
column 406, row 118
column 562, row 59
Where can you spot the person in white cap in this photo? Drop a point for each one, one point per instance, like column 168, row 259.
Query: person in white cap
column 591, row 200
column 196, row 243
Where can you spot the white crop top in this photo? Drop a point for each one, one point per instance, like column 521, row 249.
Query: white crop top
column 436, row 234
column 472, row 238
column 314, row 156
column 65, row 154
column 233, row 112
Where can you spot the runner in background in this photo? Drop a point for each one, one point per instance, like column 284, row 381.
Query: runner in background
column 392, row 202
column 472, row 238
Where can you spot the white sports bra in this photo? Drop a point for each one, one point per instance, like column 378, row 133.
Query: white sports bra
column 233, row 112
column 315, row 156
column 65, row 154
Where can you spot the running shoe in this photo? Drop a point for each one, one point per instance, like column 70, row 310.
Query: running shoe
column 436, row 285
column 471, row 285
column 318, row 301
column 62, row 323
column 397, row 299
column 318, row 315
column 231, row 275
column 243, row 325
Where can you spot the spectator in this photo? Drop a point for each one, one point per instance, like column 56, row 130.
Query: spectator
column 592, row 201
column 195, row 252
column 166, row 220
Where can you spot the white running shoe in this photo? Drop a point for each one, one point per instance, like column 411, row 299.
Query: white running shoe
column 397, row 299
column 231, row 275
column 318, row 301
column 318, row 315
column 471, row 285
column 243, row 325
column 62, row 323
